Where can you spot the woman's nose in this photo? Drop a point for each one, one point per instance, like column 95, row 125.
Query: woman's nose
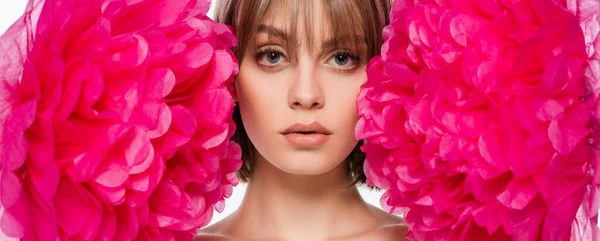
column 306, row 91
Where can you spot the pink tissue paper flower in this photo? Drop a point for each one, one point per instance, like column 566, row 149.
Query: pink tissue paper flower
column 115, row 120
column 481, row 119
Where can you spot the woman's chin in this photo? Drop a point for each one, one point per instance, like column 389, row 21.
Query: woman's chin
column 309, row 164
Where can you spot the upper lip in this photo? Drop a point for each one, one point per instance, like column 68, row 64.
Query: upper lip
column 313, row 127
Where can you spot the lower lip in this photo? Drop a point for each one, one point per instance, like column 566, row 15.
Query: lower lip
column 306, row 140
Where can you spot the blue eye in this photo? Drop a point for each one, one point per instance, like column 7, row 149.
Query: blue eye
column 270, row 57
column 341, row 59
column 344, row 60
column 273, row 57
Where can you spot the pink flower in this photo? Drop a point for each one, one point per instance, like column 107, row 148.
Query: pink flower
column 115, row 119
column 475, row 121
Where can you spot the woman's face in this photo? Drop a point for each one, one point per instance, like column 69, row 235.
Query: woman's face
column 300, row 112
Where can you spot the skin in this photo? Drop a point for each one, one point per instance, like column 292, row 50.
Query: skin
column 301, row 193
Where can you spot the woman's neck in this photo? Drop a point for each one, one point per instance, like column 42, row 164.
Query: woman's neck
column 279, row 205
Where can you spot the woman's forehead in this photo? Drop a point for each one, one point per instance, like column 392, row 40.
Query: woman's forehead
column 349, row 24
column 309, row 22
column 305, row 16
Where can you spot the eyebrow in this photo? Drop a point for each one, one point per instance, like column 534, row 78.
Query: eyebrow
column 272, row 31
column 335, row 42
column 328, row 44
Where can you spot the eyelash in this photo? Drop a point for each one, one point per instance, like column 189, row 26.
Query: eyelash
column 350, row 55
column 270, row 50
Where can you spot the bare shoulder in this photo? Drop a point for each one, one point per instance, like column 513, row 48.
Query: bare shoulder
column 214, row 232
column 392, row 227
column 393, row 232
column 390, row 232
column 211, row 237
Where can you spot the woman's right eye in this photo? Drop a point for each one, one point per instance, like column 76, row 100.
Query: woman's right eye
column 269, row 58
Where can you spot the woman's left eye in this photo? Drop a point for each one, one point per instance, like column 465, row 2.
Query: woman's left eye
column 344, row 60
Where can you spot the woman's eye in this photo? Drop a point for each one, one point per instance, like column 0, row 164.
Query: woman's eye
column 273, row 58
column 341, row 59
column 344, row 60
column 269, row 57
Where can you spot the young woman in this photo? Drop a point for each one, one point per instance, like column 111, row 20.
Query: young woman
column 301, row 67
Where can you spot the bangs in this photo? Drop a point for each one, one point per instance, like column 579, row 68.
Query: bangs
column 352, row 23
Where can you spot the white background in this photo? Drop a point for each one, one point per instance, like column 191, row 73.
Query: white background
column 11, row 10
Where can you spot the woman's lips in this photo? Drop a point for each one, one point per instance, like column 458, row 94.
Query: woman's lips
column 306, row 140
column 307, row 135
